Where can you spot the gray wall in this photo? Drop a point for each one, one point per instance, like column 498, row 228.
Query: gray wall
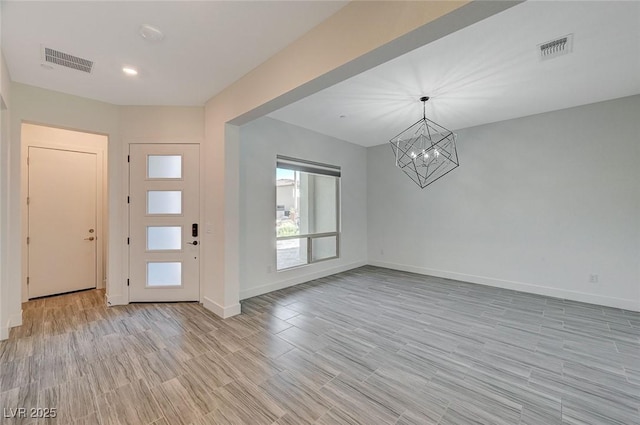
column 538, row 204
column 260, row 142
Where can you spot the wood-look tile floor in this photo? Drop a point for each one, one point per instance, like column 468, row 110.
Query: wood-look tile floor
column 368, row 346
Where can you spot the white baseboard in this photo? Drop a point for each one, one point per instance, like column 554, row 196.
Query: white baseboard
column 264, row 289
column 517, row 286
column 115, row 300
column 218, row 310
column 15, row 320
column 12, row 322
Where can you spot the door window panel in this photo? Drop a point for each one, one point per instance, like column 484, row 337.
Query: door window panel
column 164, row 202
column 160, row 238
column 164, row 274
column 164, row 166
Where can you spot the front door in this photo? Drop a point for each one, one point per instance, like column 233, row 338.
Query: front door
column 62, row 234
column 164, row 210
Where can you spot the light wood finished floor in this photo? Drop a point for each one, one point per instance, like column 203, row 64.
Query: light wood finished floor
column 368, row 346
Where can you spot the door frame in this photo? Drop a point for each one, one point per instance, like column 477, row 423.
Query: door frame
column 126, row 185
column 44, row 136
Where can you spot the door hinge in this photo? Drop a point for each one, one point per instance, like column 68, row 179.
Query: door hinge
column 28, row 200
column 27, row 280
column 128, row 240
column 28, row 240
column 128, row 158
column 128, row 200
column 127, row 282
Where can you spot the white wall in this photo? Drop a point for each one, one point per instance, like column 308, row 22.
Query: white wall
column 162, row 124
column 8, row 313
column 260, row 142
column 538, row 204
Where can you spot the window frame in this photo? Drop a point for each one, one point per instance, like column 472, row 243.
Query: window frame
column 315, row 168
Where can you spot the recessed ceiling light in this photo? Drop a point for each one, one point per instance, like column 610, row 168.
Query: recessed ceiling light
column 129, row 70
column 150, row 33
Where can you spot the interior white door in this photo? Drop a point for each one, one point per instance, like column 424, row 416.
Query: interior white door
column 164, row 211
column 62, row 221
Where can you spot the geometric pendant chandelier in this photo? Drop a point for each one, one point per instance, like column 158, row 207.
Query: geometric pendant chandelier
column 426, row 150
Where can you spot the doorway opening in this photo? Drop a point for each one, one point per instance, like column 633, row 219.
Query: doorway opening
column 64, row 185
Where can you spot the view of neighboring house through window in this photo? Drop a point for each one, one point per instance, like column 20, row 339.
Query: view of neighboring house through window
column 307, row 212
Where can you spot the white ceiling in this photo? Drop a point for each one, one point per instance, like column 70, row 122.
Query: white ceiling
column 207, row 44
column 487, row 72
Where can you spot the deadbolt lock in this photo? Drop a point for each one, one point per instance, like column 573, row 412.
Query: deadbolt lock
column 91, row 230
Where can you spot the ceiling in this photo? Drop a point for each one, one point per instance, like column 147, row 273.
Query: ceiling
column 207, row 45
column 487, row 72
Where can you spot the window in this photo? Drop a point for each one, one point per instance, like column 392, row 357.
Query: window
column 307, row 212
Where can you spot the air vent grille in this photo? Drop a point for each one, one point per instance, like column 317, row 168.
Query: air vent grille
column 65, row 59
column 554, row 48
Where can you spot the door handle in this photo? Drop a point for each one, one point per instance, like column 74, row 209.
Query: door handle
column 90, row 238
column 193, row 243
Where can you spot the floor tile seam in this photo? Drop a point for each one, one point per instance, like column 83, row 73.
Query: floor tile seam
column 446, row 409
column 623, row 373
column 577, row 395
column 592, row 412
column 510, row 397
column 41, row 401
column 628, row 377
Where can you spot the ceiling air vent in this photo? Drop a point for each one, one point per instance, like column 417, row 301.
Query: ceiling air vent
column 65, row 59
column 554, row 48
